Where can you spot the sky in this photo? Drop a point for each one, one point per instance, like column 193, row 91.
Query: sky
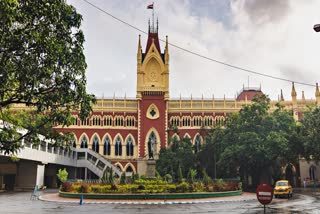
column 268, row 36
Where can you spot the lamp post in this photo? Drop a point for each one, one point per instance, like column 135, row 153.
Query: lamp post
column 316, row 27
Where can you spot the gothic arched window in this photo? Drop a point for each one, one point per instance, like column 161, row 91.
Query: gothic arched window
column 118, row 147
column 106, row 146
column 129, row 147
column 95, row 144
column 84, row 142
column 197, row 144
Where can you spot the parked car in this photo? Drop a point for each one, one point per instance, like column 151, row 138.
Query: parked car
column 282, row 188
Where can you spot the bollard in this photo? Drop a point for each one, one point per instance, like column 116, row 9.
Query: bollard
column 81, row 199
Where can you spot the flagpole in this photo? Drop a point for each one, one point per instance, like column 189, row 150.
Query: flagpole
column 153, row 16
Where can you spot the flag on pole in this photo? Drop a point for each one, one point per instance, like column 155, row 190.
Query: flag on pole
column 150, row 6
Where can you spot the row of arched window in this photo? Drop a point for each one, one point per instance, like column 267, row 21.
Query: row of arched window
column 197, row 121
column 107, row 145
column 197, row 141
column 128, row 121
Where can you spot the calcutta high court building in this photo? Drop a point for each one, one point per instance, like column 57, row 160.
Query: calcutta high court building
column 130, row 132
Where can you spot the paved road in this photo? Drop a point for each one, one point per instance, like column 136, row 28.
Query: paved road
column 304, row 202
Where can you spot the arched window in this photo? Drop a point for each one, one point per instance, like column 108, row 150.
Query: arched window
column 118, row 147
column 152, row 145
column 197, row 121
column 106, row 146
column 84, row 142
column 129, row 147
column 96, row 121
column 129, row 169
column 95, row 144
column 197, row 144
column 312, row 172
column 73, row 143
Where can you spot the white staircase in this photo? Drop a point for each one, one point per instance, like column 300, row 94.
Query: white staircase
column 94, row 162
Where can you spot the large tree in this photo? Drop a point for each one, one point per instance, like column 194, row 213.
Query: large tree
column 179, row 155
column 310, row 132
column 257, row 141
column 42, row 66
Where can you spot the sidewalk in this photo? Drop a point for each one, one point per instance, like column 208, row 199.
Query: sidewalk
column 54, row 197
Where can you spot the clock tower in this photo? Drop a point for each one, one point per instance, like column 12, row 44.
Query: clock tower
column 152, row 96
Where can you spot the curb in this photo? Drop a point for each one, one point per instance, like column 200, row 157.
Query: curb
column 148, row 202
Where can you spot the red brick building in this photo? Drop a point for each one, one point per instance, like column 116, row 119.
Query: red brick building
column 128, row 132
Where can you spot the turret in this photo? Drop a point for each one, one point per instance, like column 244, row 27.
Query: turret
column 294, row 95
column 317, row 95
column 303, row 97
column 166, row 52
column 281, row 96
column 139, row 53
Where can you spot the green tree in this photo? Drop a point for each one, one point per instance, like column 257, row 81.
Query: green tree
column 62, row 175
column 255, row 140
column 180, row 153
column 209, row 155
column 42, row 66
column 310, row 134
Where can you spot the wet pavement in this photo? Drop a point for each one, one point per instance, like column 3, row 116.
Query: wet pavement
column 19, row 202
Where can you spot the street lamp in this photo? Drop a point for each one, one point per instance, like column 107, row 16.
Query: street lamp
column 316, row 27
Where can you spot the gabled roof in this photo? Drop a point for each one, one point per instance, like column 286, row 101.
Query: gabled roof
column 155, row 38
column 249, row 93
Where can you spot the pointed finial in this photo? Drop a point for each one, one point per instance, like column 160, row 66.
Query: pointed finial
column 317, row 90
column 157, row 24
column 293, row 91
column 139, row 43
column 167, row 46
column 281, row 96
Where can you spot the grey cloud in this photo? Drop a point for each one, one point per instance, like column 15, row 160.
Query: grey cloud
column 296, row 73
column 261, row 11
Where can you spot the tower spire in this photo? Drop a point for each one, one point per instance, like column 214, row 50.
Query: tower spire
column 281, row 96
column 293, row 91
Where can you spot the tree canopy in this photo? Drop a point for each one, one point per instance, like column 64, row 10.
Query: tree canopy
column 42, row 67
column 256, row 140
column 177, row 160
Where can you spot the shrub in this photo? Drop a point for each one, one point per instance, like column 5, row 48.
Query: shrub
column 171, row 188
column 84, row 188
column 123, row 178
column 114, row 187
column 95, row 189
column 167, row 178
column 220, row 185
column 141, row 187
column 198, row 187
column 66, row 187
column 62, row 175
column 183, row 187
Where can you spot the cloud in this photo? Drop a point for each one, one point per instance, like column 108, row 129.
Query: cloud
column 268, row 36
column 266, row 10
